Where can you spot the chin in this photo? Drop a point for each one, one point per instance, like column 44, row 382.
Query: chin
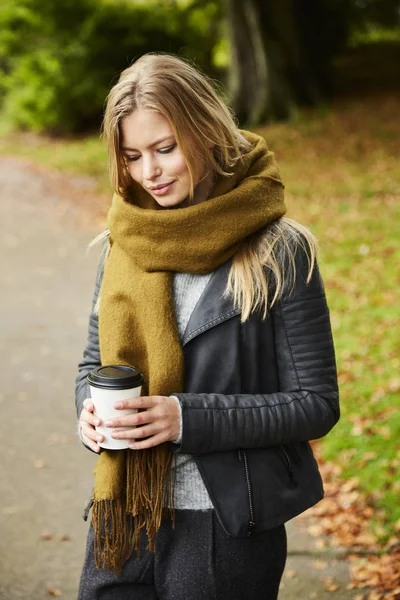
column 170, row 202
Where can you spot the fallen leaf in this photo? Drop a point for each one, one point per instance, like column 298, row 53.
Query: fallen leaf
column 329, row 584
column 54, row 592
column 63, row 537
column 319, row 564
column 10, row 510
column 290, row 573
column 46, row 535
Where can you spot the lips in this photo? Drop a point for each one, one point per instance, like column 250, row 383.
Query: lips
column 161, row 189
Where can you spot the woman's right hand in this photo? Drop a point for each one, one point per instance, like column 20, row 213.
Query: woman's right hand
column 87, row 423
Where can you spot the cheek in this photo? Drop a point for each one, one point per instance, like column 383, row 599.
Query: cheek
column 134, row 171
column 178, row 167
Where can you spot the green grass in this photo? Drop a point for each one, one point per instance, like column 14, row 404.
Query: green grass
column 342, row 178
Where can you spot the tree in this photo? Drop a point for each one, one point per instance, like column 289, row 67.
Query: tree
column 281, row 53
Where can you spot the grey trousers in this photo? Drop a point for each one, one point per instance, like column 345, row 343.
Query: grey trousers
column 196, row 560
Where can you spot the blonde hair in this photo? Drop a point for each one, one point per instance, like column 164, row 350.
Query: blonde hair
column 264, row 266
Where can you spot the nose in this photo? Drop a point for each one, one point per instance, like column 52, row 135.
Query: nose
column 151, row 168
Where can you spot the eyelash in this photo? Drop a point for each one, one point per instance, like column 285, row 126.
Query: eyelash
column 166, row 151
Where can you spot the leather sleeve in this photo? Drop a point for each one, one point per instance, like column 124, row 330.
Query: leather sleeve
column 91, row 353
column 307, row 405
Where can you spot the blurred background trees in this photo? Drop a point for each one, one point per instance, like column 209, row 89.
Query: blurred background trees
column 59, row 59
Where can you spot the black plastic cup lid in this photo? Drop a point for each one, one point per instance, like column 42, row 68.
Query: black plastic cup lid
column 115, row 377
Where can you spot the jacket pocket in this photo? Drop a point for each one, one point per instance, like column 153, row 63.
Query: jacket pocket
column 284, row 453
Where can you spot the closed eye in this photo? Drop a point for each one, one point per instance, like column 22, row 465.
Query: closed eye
column 161, row 151
column 167, row 150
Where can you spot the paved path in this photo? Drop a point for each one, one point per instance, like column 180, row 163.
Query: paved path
column 45, row 474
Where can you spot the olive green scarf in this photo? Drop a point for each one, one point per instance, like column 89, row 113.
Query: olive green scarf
column 137, row 325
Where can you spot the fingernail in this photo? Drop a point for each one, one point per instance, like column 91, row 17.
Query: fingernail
column 109, row 423
column 96, row 422
column 132, row 446
column 99, row 438
column 115, row 435
column 118, row 405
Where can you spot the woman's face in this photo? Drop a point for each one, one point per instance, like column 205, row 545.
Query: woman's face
column 155, row 160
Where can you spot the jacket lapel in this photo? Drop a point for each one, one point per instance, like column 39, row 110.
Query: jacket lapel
column 212, row 307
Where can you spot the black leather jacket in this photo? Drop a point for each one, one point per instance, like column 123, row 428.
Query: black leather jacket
column 255, row 393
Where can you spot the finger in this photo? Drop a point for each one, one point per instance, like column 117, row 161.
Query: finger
column 90, row 443
column 155, row 440
column 132, row 434
column 147, row 416
column 139, row 402
column 92, row 434
column 88, row 404
column 88, row 417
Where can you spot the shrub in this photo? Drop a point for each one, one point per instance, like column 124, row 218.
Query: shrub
column 59, row 59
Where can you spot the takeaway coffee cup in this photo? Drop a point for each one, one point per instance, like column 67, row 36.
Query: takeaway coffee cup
column 108, row 384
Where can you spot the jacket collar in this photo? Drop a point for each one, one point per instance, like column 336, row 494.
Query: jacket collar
column 212, row 307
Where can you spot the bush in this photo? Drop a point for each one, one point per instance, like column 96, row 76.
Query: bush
column 59, row 59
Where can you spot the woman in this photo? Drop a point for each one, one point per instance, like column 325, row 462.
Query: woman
column 216, row 297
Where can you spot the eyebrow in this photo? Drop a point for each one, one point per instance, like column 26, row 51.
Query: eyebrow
column 151, row 145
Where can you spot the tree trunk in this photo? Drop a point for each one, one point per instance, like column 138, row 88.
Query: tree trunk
column 280, row 57
column 248, row 84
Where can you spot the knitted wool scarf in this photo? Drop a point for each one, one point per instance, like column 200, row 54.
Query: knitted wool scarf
column 137, row 325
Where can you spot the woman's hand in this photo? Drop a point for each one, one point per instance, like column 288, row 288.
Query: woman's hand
column 87, row 423
column 158, row 421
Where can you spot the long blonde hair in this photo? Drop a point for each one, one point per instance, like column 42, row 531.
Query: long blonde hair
column 206, row 131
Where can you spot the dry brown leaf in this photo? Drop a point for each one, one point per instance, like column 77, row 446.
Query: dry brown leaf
column 54, row 592
column 315, row 530
column 345, row 514
column 331, row 587
column 319, row 564
column 10, row 510
column 290, row 573
column 63, row 537
column 46, row 535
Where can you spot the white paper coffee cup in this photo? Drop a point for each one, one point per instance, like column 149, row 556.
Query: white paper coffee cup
column 108, row 384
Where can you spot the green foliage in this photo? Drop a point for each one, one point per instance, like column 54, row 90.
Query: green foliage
column 59, row 59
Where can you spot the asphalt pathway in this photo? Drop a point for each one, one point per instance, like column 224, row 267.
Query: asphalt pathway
column 45, row 474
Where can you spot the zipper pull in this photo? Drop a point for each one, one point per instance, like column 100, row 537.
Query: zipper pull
column 250, row 527
column 239, row 453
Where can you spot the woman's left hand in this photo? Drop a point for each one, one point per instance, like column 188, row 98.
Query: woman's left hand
column 158, row 421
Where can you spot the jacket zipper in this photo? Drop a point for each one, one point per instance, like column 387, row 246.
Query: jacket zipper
column 251, row 523
column 289, row 466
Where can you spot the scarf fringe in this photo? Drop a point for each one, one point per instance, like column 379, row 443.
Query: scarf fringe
column 118, row 523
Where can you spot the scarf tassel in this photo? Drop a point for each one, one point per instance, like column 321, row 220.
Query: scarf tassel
column 118, row 524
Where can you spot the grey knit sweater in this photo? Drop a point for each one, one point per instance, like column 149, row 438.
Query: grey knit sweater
column 190, row 491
